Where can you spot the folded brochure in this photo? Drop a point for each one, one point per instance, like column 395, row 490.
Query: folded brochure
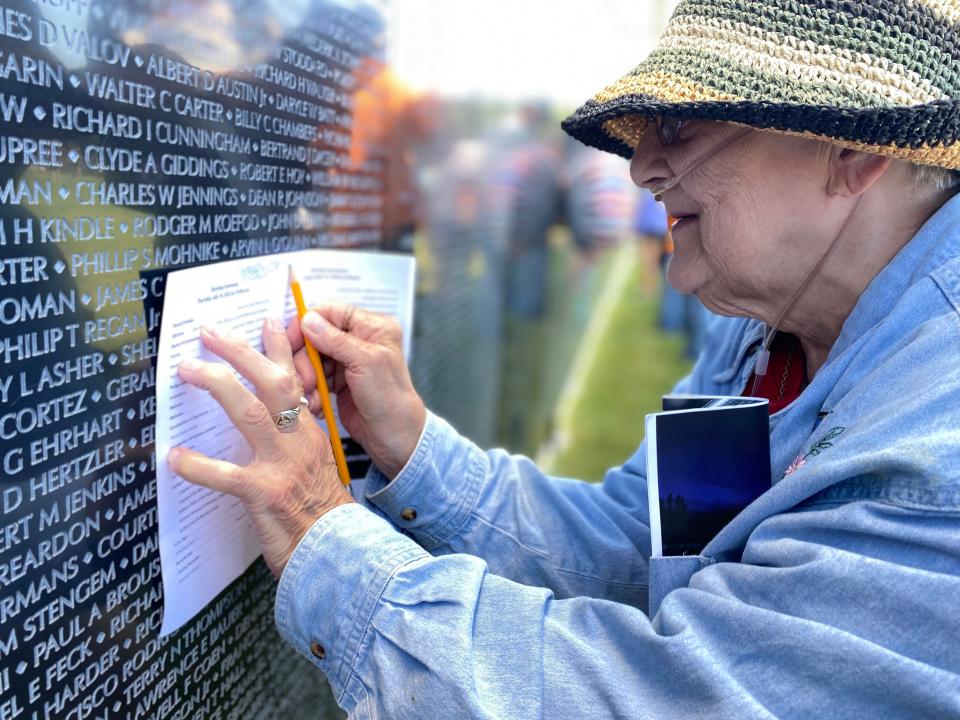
column 708, row 457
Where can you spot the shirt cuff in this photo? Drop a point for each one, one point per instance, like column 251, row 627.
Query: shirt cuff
column 438, row 488
column 331, row 586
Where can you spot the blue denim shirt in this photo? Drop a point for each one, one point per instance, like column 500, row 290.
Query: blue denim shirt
column 473, row 586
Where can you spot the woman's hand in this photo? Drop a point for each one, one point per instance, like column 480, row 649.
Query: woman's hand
column 292, row 479
column 366, row 369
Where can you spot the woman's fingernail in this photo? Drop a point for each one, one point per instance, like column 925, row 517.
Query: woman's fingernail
column 190, row 365
column 313, row 322
column 276, row 325
column 211, row 331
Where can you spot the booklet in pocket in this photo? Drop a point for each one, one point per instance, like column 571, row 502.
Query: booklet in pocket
column 707, row 459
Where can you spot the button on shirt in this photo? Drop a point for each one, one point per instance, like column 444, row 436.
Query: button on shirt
column 510, row 594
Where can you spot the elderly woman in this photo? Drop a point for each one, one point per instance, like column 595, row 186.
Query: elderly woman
column 806, row 149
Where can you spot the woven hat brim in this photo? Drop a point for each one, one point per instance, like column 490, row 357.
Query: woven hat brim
column 882, row 75
column 617, row 125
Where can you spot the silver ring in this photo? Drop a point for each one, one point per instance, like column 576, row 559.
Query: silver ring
column 286, row 420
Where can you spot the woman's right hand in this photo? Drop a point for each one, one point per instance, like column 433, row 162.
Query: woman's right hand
column 365, row 367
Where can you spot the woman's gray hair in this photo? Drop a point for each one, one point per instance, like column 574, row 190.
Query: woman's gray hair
column 931, row 178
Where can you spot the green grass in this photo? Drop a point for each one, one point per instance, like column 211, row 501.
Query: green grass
column 634, row 366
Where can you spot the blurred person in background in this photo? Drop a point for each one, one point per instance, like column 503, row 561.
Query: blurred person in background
column 396, row 123
column 652, row 227
column 528, row 183
column 809, row 151
column 678, row 312
column 598, row 199
column 598, row 202
column 527, row 192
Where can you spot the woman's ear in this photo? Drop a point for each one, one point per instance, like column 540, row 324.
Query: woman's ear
column 852, row 172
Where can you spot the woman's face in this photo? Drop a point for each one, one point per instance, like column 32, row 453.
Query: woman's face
column 753, row 218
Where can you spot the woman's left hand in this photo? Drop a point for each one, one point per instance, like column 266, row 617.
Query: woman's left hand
column 292, row 479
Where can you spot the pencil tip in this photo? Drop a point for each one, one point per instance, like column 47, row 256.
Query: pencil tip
column 292, row 277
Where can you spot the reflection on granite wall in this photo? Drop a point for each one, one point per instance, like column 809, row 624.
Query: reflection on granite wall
column 141, row 137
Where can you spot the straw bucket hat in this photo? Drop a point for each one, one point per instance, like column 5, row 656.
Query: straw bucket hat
column 881, row 76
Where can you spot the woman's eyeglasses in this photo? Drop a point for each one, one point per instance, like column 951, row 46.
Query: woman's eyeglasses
column 668, row 128
column 667, row 131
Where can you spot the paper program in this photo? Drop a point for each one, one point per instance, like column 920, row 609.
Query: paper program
column 206, row 537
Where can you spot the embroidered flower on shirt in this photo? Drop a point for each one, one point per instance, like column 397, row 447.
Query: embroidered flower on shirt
column 796, row 465
column 818, row 447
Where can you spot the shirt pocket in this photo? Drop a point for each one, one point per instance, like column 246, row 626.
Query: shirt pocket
column 671, row 572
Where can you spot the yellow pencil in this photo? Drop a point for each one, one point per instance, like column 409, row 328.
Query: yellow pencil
column 324, row 392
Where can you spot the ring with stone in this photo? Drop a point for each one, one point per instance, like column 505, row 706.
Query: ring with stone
column 286, row 420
